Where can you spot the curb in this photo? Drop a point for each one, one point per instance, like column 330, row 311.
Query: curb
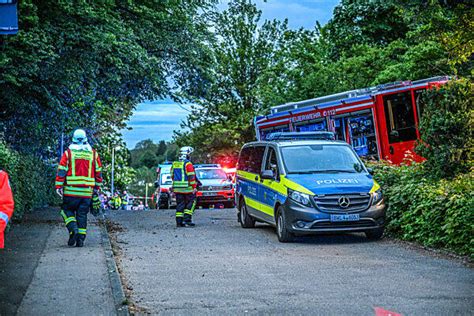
column 114, row 276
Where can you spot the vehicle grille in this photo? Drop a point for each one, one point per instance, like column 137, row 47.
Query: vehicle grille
column 363, row 223
column 330, row 202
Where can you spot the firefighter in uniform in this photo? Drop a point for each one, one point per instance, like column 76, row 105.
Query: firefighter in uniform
column 6, row 204
column 79, row 176
column 185, row 188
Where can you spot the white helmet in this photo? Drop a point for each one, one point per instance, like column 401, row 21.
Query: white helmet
column 184, row 152
column 79, row 137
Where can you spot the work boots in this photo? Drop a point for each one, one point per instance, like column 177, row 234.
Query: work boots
column 179, row 222
column 72, row 239
column 80, row 242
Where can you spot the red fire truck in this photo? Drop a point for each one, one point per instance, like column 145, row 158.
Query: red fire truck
column 379, row 122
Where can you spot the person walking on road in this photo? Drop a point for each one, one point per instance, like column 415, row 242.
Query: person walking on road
column 79, row 175
column 6, row 205
column 185, row 188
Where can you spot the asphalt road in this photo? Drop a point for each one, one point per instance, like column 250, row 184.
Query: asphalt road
column 220, row 268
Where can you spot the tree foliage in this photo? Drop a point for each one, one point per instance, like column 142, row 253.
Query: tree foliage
column 447, row 129
column 87, row 64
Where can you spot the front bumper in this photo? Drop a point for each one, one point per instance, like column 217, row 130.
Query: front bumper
column 316, row 221
column 215, row 196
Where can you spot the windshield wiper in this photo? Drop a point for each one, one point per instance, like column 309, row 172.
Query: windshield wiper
column 339, row 171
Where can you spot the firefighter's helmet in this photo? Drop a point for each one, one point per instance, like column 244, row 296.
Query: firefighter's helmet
column 185, row 152
column 79, row 137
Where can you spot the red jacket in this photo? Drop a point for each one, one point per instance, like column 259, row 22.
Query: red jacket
column 6, row 204
column 79, row 172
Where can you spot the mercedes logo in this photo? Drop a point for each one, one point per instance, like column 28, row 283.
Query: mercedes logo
column 344, row 202
column 210, row 188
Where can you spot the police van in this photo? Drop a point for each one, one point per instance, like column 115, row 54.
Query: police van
column 307, row 183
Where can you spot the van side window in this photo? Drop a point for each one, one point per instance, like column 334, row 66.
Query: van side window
column 244, row 158
column 256, row 158
column 272, row 163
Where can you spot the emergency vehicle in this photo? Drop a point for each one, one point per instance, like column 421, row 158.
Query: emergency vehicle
column 216, row 186
column 303, row 186
column 378, row 122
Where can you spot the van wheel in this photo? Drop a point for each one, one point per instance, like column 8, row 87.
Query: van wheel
column 284, row 235
column 375, row 234
column 246, row 221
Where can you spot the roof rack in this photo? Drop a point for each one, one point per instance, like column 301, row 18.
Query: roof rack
column 288, row 136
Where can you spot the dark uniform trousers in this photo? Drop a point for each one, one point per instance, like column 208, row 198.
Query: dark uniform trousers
column 185, row 205
column 74, row 213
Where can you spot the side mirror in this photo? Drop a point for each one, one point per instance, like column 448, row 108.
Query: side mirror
column 229, row 177
column 371, row 171
column 157, row 184
column 267, row 174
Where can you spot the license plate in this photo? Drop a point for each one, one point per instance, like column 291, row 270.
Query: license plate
column 345, row 218
column 209, row 193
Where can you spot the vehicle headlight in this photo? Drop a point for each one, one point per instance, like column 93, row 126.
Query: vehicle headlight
column 299, row 197
column 377, row 197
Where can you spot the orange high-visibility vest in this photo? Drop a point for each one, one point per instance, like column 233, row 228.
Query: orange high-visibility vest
column 6, row 204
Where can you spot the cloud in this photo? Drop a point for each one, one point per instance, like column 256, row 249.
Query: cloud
column 155, row 120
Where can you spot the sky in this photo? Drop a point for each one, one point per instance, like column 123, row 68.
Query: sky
column 158, row 119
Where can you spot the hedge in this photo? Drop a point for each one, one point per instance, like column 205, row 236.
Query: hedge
column 31, row 179
column 435, row 213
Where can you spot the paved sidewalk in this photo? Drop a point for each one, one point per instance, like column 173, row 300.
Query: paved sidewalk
column 41, row 275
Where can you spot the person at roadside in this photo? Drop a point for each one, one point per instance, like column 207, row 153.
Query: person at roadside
column 79, row 176
column 185, row 187
column 6, row 205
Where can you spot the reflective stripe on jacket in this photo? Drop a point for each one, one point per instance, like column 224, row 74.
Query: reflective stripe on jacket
column 183, row 176
column 79, row 172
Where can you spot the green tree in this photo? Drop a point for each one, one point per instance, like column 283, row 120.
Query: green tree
column 447, row 129
column 243, row 54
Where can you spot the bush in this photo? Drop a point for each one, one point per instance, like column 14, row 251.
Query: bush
column 435, row 213
column 446, row 129
column 31, row 179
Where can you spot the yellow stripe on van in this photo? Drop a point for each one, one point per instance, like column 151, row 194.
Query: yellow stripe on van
column 259, row 206
column 375, row 187
column 294, row 186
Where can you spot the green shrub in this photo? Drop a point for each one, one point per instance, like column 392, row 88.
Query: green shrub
column 435, row 213
column 31, row 179
column 446, row 129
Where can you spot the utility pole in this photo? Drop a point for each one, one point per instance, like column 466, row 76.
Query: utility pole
column 112, row 173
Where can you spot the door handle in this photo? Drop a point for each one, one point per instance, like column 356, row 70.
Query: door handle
column 256, row 178
column 391, row 150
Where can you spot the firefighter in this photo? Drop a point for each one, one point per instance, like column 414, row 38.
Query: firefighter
column 125, row 200
column 6, row 204
column 79, row 176
column 185, row 188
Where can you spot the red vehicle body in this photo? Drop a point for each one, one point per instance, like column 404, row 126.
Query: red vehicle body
column 379, row 122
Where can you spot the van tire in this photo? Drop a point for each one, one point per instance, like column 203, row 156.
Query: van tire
column 375, row 234
column 283, row 234
column 246, row 221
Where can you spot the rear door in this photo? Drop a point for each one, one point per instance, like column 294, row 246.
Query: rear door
column 400, row 130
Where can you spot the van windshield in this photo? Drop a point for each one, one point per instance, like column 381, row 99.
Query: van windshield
column 321, row 159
